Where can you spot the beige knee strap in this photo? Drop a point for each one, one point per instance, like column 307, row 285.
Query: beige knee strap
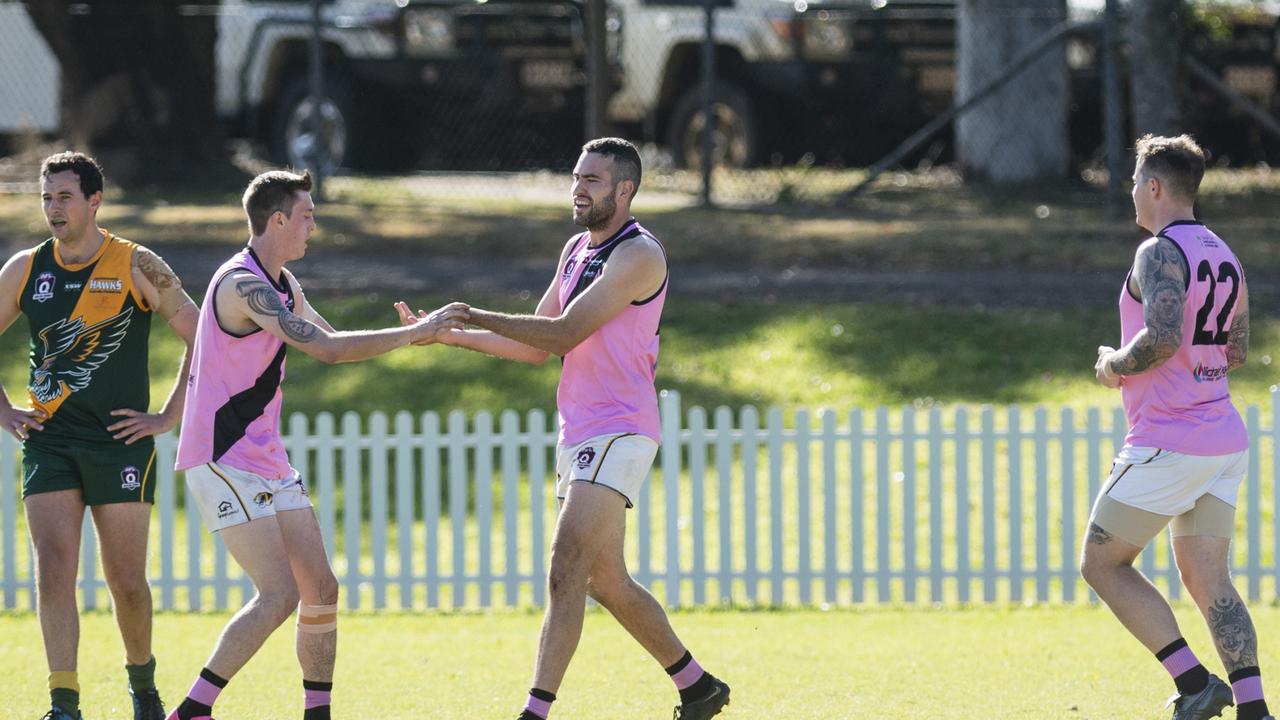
column 317, row 619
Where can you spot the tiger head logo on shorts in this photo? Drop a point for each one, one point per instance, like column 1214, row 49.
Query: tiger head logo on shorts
column 263, row 498
column 585, row 456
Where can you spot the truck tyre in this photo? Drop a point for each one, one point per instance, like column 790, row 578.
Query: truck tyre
column 735, row 138
column 293, row 142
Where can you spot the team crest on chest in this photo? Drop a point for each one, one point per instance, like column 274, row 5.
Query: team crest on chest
column 44, row 285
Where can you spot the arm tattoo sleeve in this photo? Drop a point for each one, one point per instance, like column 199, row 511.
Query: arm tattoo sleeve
column 1162, row 279
column 155, row 270
column 1238, row 339
column 263, row 300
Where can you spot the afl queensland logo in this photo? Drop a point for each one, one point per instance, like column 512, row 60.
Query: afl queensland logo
column 130, row 478
column 585, row 457
column 43, row 289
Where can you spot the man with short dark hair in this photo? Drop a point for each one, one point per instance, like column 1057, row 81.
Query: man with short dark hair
column 89, row 296
column 1184, row 321
column 601, row 315
column 237, row 472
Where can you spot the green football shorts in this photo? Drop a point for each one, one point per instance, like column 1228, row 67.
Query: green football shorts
column 104, row 473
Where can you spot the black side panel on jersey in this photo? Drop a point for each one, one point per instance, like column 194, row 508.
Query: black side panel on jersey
column 232, row 419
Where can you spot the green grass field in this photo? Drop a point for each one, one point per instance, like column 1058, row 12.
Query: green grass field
column 1046, row 663
column 836, row 355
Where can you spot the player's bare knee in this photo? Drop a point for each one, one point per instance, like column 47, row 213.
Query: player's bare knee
column 132, row 592
column 1205, row 583
column 279, row 601
column 327, row 590
column 605, row 590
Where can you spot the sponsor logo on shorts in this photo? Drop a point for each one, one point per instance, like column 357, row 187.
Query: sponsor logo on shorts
column 43, row 289
column 302, row 487
column 130, row 478
column 226, row 509
column 1208, row 374
column 262, row 499
column 111, row 285
column 585, row 457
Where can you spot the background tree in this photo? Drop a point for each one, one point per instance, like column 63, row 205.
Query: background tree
column 138, row 84
column 1020, row 132
column 1155, row 43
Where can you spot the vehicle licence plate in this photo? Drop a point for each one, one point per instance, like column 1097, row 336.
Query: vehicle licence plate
column 548, row 74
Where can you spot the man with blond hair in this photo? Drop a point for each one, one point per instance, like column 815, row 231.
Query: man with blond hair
column 1184, row 324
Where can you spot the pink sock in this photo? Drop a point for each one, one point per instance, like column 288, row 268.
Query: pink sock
column 204, row 692
column 539, row 706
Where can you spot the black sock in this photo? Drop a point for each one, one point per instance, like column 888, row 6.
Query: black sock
column 1190, row 681
column 190, row 708
column 1248, row 709
column 319, row 712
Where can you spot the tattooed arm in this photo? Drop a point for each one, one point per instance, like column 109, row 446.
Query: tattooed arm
column 163, row 293
column 245, row 302
column 1238, row 335
column 1160, row 274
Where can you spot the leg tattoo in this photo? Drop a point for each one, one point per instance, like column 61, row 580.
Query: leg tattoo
column 1233, row 631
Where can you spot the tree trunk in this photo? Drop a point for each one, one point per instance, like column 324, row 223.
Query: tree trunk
column 1020, row 132
column 1155, row 42
column 137, row 85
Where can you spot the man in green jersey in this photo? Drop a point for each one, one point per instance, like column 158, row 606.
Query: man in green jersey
column 88, row 297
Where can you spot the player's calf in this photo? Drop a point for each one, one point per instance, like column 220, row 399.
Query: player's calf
column 317, row 641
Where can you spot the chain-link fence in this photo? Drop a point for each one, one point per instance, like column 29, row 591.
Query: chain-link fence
column 800, row 97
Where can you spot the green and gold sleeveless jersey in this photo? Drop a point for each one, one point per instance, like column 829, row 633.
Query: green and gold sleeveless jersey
column 89, row 338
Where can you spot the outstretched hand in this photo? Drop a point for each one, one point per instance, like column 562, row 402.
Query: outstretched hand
column 436, row 325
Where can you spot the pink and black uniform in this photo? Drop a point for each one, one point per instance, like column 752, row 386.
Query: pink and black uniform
column 1184, row 405
column 608, row 406
column 230, row 446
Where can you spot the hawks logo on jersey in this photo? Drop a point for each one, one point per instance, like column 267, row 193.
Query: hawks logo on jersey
column 73, row 351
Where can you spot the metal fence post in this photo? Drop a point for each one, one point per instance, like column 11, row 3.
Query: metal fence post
column 314, row 72
column 1112, row 119
column 597, row 68
column 708, row 96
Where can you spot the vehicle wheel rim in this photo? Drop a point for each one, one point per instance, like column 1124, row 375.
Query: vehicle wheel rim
column 321, row 146
column 728, row 138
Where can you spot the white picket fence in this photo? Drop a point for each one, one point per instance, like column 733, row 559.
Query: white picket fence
column 955, row 505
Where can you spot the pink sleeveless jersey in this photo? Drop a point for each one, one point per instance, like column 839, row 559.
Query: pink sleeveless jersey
column 1184, row 405
column 606, row 385
column 232, row 414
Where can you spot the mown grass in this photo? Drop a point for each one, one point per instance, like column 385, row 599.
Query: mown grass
column 1051, row 663
column 834, row 355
